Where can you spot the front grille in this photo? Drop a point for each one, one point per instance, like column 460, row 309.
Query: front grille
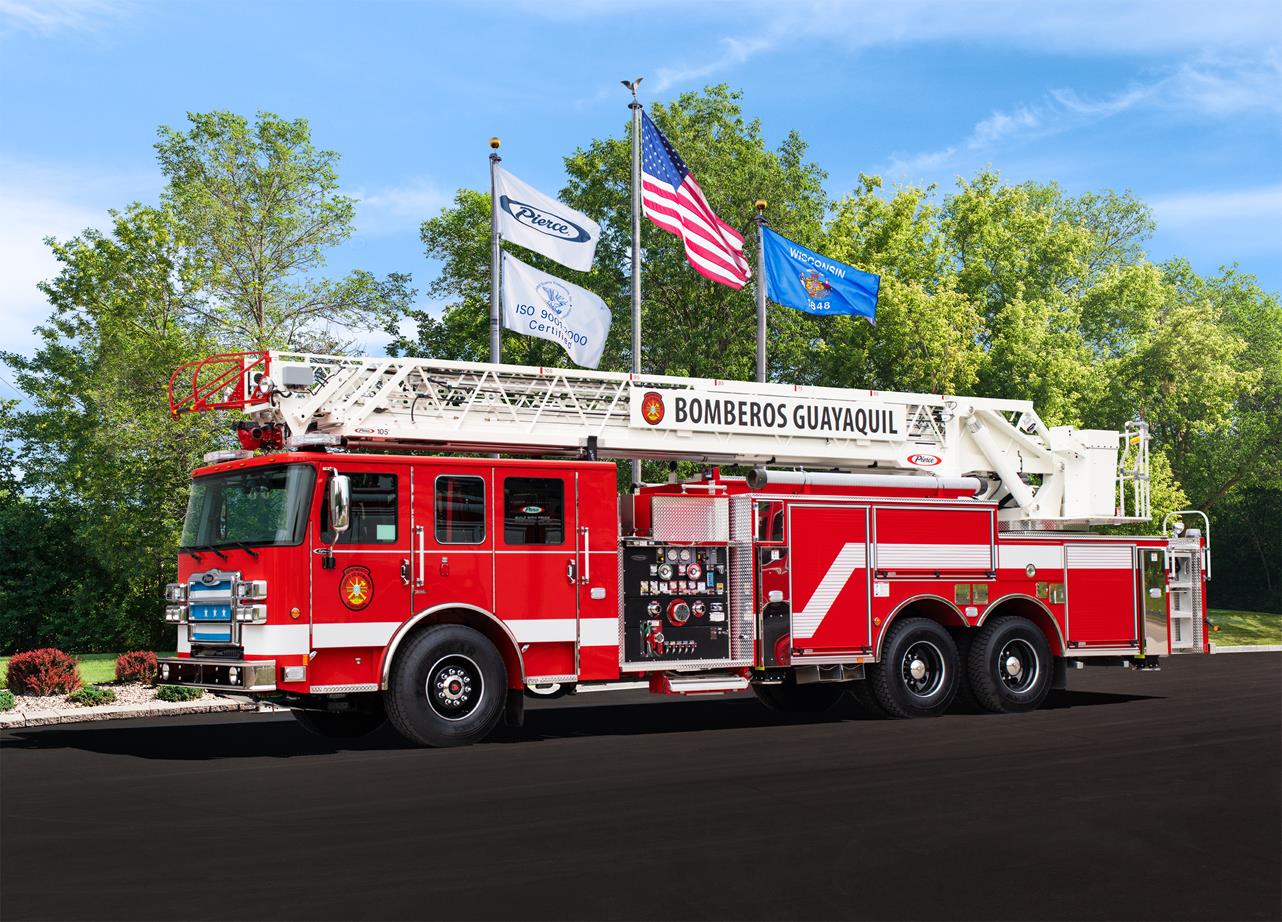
column 211, row 605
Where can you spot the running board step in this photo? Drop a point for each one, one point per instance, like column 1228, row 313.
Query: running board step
column 697, row 685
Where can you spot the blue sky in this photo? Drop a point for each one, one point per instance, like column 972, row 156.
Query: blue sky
column 1179, row 102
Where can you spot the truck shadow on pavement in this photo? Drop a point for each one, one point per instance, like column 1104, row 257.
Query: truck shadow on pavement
column 279, row 737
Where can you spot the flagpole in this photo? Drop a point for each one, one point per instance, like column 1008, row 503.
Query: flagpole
column 496, row 334
column 761, row 289
column 635, row 106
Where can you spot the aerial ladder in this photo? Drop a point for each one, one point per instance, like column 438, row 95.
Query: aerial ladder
column 1042, row 477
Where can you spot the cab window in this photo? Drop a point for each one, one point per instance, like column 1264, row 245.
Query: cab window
column 374, row 511
column 533, row 510
column 460, row 510
column 770, row 521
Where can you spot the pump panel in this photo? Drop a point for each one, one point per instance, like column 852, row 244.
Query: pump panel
column 675, row 602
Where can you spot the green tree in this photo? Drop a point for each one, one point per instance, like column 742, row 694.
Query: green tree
column 258, row 206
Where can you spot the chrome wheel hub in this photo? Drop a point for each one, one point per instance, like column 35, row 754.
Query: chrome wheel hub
column 923, row 670
column 1018, row 665
column 454, row 687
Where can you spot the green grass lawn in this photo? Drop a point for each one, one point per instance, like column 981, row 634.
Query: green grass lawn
column 94, row 667
column 1246, row 628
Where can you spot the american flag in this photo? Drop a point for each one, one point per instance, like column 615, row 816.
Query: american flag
column 672, row 199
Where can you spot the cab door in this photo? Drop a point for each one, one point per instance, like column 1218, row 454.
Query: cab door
column 453, row 542
column 537, row 565
column 360, row 578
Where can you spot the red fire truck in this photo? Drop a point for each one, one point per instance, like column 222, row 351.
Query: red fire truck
column 904, row 548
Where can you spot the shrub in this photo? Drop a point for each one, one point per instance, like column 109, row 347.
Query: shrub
column 136, row 666
column 91, row 696
column 178, row 693
column 7, row 700
column 43, row 672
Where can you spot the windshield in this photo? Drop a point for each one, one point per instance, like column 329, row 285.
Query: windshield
column 258, row 506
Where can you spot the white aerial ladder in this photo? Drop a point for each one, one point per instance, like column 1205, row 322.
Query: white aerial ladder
column 1043, row 477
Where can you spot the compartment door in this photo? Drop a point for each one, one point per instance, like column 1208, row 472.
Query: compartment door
column 1102, row 591
column 830, row 606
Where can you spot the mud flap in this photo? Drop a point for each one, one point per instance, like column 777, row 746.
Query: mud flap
column 514, row 712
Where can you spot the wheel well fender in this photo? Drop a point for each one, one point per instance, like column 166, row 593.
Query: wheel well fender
column 495, row 631
column 1030, row 609
column 931, row 607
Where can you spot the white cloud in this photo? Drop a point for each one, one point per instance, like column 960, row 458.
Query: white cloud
column 1203, row 88
column 398, row 209
column 46, row 16
column 1198, row 209
column 39, row 201
column 734, row 52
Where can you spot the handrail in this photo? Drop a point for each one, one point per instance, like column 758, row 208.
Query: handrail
column 1205, row 521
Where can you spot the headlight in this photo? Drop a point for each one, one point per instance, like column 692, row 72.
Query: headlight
column 176, row 592
column 164, row 671
column 175, row 613
column 251, row 590
column 251, row 614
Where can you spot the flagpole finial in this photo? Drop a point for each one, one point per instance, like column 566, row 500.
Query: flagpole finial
column 632, row 85
column 494, row 143
column 759, row 204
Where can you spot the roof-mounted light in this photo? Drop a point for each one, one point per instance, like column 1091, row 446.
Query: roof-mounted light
column 231, row 454
column 315, row 440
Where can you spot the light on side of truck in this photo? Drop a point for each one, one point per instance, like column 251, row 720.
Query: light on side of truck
column 176, row 592
column 293, row 674
column 251, row 590
column 175, row 613
column 251, row 614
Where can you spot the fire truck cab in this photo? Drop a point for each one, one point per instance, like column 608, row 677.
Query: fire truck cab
column 358, row 586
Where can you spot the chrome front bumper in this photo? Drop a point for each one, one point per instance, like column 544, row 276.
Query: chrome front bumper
column 248, row 675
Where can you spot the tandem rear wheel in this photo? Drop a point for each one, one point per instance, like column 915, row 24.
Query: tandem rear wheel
column 448, row 687
column 1009, row 666
column 919, row 671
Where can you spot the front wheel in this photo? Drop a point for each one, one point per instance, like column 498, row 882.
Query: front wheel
column 447, row 687
column 1010, row 666
column 340, row 725
column 919, row 670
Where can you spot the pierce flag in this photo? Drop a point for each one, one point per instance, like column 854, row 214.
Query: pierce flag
column 537, row 303
column 808, row 281
column 543, row 224
column 672, row 199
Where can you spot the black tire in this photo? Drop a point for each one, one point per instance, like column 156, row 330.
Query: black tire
column 964, row 638
column 1001, row 685
column 340, row 725
column 867, row 701
column 791, row 698
column 913, row 646
column 447, row 687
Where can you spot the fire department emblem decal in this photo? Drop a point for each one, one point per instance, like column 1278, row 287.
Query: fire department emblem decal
column 652, row 408
column 356, row 588
column 815, row 284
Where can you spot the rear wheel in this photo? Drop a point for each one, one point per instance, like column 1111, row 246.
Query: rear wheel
column 919, row 670
column 447, row 687
column 791, row 698
column 340, row 725
column 1010, row 666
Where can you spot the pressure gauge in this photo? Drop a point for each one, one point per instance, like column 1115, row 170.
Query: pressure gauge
column 685, row 554
column 672, row 553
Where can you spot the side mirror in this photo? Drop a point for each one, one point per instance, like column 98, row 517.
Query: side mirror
column 340, row 502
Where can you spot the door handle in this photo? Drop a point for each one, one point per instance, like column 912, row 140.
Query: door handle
column 587, row 555
column 405, row 571
column 421, row 540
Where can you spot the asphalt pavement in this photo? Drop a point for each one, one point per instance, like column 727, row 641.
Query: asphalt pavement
column 1155, row 795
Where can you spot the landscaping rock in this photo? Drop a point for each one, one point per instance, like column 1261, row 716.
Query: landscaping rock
column 132, row 700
